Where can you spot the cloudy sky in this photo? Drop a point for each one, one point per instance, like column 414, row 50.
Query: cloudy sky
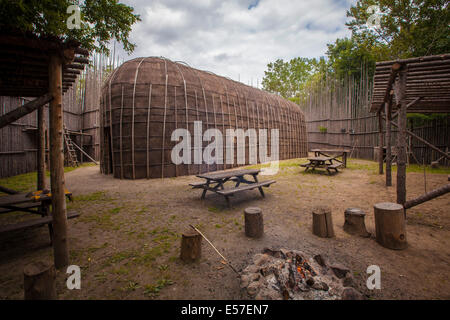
column 236, row 38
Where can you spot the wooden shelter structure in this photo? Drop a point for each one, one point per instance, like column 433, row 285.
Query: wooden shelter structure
column 43, row 68
column 420, row 85
column 146, row 99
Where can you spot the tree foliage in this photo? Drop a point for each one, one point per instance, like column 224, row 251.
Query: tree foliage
column 347, row 56
column 101, row 21
column 287, row 78
column 408, row 28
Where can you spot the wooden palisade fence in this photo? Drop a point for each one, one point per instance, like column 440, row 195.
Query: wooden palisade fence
column 338, row 116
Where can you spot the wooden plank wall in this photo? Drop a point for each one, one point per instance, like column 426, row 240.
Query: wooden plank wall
column 342, row 107
column 18, row 141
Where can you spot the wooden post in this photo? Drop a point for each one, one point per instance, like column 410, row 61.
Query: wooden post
column 254, row 223
column 191, row 246
column 39, row 281
column 390, row 225
column 388, row 112
column 380, row 144
column 354, row 222
column 322, row 222
column 41, row 150
column 60, row 248
column 401, row 139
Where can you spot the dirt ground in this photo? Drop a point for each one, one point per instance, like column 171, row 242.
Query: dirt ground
column 127, row 239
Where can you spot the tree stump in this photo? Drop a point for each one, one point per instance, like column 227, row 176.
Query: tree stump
column 390, row 225
column 191, row 246
column 322, row 222
column 354, row 222
column 39, row 281
column 254, row 224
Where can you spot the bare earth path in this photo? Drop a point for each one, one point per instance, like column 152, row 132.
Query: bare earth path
column 128, row 235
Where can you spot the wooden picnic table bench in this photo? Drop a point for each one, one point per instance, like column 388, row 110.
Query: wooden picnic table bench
column 34, row 222
column 322, row 162
column 37, row 202
column 339, row 153
column 215, row 182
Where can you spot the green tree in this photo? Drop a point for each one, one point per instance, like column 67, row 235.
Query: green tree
column 347, row 56
column 287, row 78
column 408, row 28
column 101, row 21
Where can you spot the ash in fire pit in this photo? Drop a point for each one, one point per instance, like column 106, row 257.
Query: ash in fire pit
column 283, row 274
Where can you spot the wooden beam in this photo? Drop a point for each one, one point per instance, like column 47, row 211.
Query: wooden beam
column 83, row 152
column 24, row 110
column 439, row 58
column 401, row 138
column 41, row 150
column 380, row 144
column 388, row 111
column 60, row 248
column 446, row 155
column 396, row 67
column 74, row 66
column 428, row 196
column 8, row 191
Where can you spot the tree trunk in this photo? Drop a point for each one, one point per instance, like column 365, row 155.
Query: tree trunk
column 390, row 225
column 60, row 248
column 39, row 281
column 191, row 246
column 254, row 223
column 322, row 222
column 354, row 222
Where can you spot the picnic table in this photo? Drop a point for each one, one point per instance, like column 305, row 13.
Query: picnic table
column 34, row 202
column 215, row 182
column 322, row 162
column 339, row 153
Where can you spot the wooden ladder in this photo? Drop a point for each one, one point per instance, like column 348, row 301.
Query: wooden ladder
column 72, row 160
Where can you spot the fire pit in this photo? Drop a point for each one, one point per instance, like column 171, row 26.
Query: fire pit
column 290, row 275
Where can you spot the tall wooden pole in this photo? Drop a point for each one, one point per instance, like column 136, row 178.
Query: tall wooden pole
column 388, row 144
column 401, row 139
column 60, row 248
column 380, row 144
column 41, row 150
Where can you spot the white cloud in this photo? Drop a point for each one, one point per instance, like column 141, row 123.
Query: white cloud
column 228, row 38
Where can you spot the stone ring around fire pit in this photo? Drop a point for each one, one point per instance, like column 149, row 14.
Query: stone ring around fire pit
column 290, row 275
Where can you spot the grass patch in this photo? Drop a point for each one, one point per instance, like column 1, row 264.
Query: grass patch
column 153, row 290
column 22, row 182
column 95, row 196
column 213, row 209
column 115, row 210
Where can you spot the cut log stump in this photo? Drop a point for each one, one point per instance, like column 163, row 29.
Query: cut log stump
column 254, row 224
column 322, row 222
column 390, row 225
column 354, row 222
column 191, row 246
column 39, row 281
